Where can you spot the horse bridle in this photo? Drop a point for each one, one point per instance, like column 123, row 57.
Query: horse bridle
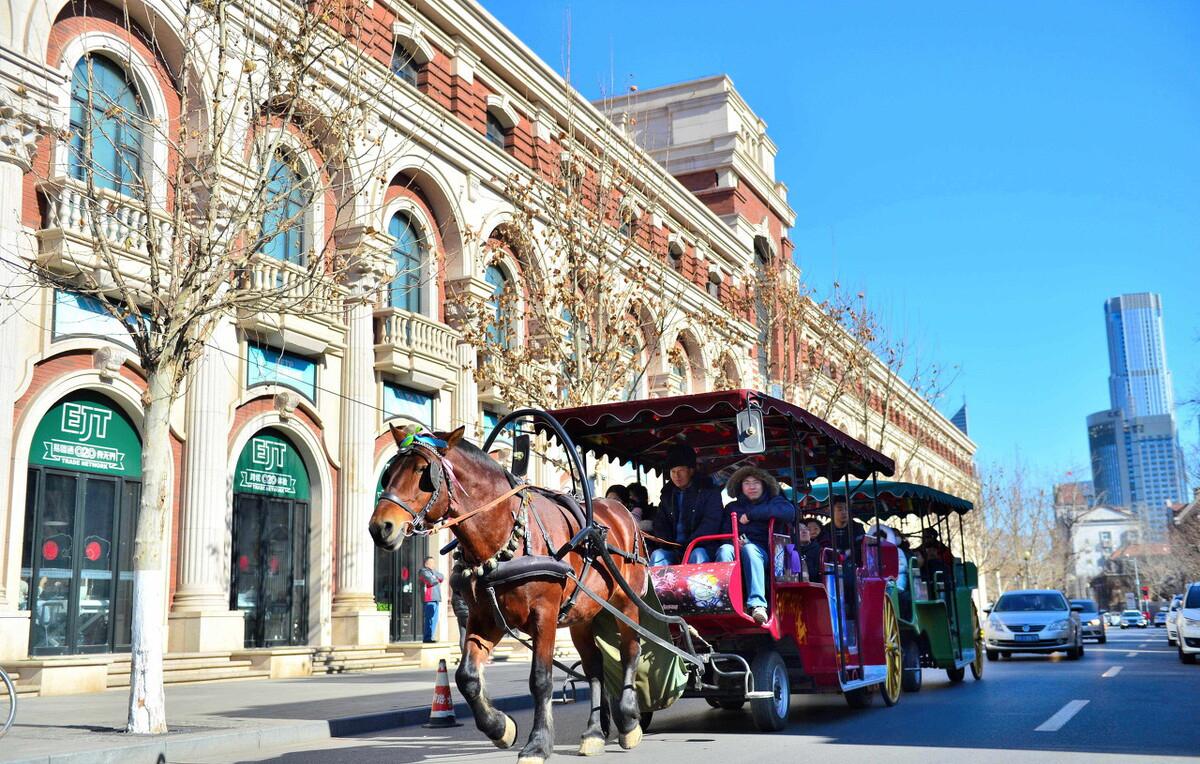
column 437, row 476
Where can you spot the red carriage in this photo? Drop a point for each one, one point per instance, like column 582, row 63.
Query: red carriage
column 835, row 634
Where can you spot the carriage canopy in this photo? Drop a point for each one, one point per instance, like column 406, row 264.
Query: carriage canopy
column 640, row 432
column 896, row 499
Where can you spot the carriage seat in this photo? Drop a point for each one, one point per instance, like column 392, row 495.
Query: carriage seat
column 524, row 568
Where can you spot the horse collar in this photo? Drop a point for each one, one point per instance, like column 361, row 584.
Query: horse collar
column 505, row 552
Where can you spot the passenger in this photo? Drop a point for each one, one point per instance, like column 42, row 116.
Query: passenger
column 690, row 507
column 808, row 548
column 640, row 506
column 838, row 534
column 814, row 527
column 620, row 493
column 756, row 502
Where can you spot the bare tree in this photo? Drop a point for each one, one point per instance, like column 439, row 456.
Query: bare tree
column 588, row 308
column 195, row 220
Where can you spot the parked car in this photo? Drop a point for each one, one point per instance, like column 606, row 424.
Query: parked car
column 1173, row 620
column 1160, row 618
column 1090, row 621
column 1114, row 619
column 1187, row 619
column 1131, row 618
column 1033, row 621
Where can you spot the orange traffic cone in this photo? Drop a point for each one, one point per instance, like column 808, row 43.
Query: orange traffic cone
column 441, row 714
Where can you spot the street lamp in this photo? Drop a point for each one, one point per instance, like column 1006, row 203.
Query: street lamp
column 1027, row 555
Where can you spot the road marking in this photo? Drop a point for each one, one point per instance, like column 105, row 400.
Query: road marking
column 1064, row 715
column 1130, row 655
column 1144, row 644
column 1111, row 672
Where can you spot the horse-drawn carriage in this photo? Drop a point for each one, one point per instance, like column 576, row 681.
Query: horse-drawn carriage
column 939, row 625
column 530, row 560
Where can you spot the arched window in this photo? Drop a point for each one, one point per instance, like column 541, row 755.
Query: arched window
column 285, row 220
column 500, row 330
column 106, row 132
column 408, row 254
column 404, row 65
column 495, row 130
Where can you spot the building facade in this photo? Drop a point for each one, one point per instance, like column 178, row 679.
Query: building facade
column 280, row 442
column 1136, row 457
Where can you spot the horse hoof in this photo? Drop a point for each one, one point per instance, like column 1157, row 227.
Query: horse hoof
column 632, row 738
column 591, row 746
column 531, row 760
column 510, row 734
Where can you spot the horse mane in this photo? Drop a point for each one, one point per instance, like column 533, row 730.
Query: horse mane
column 479, row 458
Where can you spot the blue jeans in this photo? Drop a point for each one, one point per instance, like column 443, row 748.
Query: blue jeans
column 660, row 557
column 431, row 615
column 754, row 571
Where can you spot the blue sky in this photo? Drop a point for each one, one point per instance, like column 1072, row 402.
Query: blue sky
column 988, row 173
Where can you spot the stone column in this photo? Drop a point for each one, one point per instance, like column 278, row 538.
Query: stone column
column 200, row 619
column 18, row 135
column 356, row 621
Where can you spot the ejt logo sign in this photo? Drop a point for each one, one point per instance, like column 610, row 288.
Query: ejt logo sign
column 85, row 421
column 268, row 454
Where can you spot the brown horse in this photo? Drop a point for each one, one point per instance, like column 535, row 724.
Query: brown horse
column 440, row 479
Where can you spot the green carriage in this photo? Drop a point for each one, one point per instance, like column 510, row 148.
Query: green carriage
column 939, row 623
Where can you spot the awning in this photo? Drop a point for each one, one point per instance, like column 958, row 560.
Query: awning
column 896, row 499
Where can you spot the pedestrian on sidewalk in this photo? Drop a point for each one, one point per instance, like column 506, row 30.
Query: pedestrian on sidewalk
column 432, row 581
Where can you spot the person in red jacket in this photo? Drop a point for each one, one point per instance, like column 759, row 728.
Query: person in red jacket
column 431, row 581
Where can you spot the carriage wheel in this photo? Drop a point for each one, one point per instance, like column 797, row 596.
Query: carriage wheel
column 977, row 664
column 913, row 675
column 893, row 656
column 770, row 673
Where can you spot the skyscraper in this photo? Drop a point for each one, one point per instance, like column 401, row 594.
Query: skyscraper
column 1139, row 383
column 1135, row 453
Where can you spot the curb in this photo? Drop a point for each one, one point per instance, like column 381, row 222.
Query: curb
column 246, row 741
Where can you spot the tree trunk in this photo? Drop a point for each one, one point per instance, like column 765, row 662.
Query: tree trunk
column 147, row 701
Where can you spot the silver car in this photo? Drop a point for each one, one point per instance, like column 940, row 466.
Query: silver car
column 1090, row 621
column 1033, row 621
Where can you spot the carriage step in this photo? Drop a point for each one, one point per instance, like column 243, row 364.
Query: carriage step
column 760, row 695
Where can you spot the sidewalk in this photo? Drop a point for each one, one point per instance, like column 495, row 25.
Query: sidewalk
column 241, row 717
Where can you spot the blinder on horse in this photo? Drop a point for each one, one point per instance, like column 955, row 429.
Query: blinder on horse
column 433, row 480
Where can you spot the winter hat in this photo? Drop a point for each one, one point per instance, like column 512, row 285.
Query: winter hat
column 734, row 486
column 680, row 455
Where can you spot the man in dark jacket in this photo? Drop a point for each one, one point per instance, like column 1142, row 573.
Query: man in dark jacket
column 756, row 502
column 689, row 508
column 838, row 533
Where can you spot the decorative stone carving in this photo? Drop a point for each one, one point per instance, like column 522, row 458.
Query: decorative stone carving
column 286, row 402
column 18, row 131
column 108, row 360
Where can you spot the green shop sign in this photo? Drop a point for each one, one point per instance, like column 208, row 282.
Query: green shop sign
column 86, row 432
column 270, row 466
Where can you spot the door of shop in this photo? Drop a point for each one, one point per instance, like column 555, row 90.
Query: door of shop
column 270, row 569
column 269, row 578
column 81, row 502
column 398, row 590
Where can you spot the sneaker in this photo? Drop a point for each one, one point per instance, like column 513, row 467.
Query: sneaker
column 759, row 614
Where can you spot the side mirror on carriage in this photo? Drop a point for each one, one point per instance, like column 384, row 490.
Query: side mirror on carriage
column 752, row 437
column 520, row 455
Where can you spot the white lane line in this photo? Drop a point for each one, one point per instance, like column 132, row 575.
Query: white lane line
column 1144, row 644
column 1064, row 715
column 1111, row 672
column 1130, row 655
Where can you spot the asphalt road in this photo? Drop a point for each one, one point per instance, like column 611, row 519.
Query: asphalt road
column 1130, row 699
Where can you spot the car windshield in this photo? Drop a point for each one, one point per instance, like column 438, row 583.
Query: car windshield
column 1087, row 605
column 1027, row 602
column 1132, row 614
column 1193, row 598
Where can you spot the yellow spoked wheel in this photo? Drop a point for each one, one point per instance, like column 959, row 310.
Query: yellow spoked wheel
column 977, row 664
column 893, row 656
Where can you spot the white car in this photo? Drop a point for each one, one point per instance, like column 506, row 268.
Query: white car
column 1033, row 621
column 1187, row 624
column 1172, row 612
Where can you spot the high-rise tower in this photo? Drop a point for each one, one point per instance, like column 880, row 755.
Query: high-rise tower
column 1139, row 383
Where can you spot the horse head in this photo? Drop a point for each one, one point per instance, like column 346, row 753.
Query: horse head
column 417, row 489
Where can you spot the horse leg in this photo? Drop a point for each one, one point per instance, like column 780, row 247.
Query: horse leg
column 625, row 705
column 592, row 741
column 541, row 686
column 481, row 640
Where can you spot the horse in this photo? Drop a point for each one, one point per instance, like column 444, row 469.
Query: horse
column 497, row 521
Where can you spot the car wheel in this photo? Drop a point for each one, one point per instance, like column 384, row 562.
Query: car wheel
column 1186, row 657
column 1170, row 642
column 912, row 666
column 956, row 674
column 1006, row 654
column 993, row 655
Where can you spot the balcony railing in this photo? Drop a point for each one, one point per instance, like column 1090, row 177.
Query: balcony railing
column 415, row 347
column 282, row 287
